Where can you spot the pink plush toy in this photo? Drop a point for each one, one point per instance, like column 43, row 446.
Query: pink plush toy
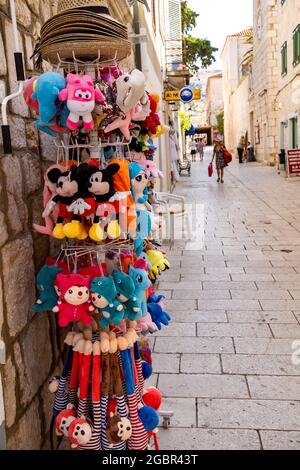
column 73, row 304
column 81, row 96
column 151, row 169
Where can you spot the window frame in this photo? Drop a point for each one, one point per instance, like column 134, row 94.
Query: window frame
column 284, row 59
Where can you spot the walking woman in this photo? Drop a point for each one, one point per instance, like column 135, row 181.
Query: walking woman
column 241, row 149
column 220, row 160
column 193, row 147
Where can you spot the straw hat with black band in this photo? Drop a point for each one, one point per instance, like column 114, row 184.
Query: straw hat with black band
column 84, row 27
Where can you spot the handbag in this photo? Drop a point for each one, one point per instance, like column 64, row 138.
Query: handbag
column 227, row 156
column 210, row 170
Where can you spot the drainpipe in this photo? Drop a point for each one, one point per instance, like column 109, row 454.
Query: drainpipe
column 137, row 31
column 20, row 78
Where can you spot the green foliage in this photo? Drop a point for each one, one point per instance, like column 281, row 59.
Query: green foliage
column 185, row 121
column 199, row 50
column 220, row 120
column 188, row 16
column 196, row 50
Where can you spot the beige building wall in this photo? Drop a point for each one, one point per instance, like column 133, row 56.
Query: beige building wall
column 265, row 79
column 214, row 98
column 288, row 98
column 236, row 91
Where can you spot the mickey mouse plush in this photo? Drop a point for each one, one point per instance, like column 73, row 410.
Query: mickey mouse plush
column 102, row 186
column 66, row 188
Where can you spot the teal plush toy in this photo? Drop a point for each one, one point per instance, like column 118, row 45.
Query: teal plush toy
column 45, row 284
column 103, row 291
column 126, row 295
column 141, row 283
column 47, row 88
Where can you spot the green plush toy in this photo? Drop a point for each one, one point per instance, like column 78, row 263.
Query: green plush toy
column 104, row 294
column 126, row 295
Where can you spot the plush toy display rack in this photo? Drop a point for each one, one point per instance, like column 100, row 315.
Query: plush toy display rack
column 101, row 285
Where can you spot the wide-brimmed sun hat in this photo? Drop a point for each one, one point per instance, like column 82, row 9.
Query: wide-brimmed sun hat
column 84, row 28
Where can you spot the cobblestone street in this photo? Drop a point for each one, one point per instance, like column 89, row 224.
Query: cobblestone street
column 225, row 362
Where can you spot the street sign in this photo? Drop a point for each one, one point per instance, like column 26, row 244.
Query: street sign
column 293, row 162
column 176, row 95
column 186, row 94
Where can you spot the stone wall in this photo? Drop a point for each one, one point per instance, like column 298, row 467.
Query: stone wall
column 265, row 78
column 32, row 345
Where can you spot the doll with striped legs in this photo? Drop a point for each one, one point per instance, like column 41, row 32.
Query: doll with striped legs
column 85, row 434
column 143, row 419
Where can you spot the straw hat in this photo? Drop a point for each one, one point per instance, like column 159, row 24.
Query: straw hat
column 84, row 27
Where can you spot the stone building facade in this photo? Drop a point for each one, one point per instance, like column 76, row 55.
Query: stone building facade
column 32, row 342
column 288, row 96
column 214, row 98
column 238, row 120
column 265, row 79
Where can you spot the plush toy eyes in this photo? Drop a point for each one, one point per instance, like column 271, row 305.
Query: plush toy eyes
column 126, row 79
column 119, row 281
column 78, row 428
column 70, row 291
column 128, row 429
column 139, row 178
column 83, row 94
column 86, row 291
column 140, row 278
column 63, row 421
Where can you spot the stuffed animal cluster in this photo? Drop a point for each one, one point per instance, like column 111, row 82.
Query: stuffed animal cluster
column 113, row 411
column 116, row 103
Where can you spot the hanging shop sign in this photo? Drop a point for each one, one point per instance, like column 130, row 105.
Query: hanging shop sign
column 185, row 94
column 293, row 163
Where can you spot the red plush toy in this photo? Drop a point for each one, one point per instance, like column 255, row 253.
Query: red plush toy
column 73, row 304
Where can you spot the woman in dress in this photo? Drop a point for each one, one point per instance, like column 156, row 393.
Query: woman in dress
column 220, row 161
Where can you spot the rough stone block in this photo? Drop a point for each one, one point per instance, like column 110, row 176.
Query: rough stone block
column 264, row 346
column 32, row 173
column 3, row 67
column 261, row 317
column 274, row 388
column 18, row 278
column 3, row 230
column 36, row 357
column 177, row 329
column 10, row 393
column 258, row 364
column 23, row 13
column 184, row 411
column 166, row 363
column 27, row 434
column 234, row 330
column 280, row 440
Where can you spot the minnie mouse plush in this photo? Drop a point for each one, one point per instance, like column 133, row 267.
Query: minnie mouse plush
column 66, row 188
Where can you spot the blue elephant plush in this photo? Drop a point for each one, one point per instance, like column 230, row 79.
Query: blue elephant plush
column 126, row 295
column 45, row 283
column 103, row 292
column 47, row 89
column 158, row 315
column 141, row 283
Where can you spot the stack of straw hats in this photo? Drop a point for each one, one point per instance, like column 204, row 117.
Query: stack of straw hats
column 84, row 27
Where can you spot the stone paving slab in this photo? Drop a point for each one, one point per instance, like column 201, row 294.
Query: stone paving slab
column 200, row 364
column 280, row 440
column 200, row 316
column 184, row 412
column 286, row 331
column 261, row 294
column 274, row 388
column 262, row 317
column 245, row 364
column 203, row 385
column 208, row 439
column 166, row 363
column 245, row 330
column 249, row 414
column 240, row 286
column 175, row 329
column 231, row 304
column 263, row 346
column 194, row 345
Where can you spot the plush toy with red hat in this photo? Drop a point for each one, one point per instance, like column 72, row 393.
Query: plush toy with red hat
column 73, row 304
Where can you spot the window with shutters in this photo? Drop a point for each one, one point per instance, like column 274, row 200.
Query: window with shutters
column 284, row 63
column 296, row 45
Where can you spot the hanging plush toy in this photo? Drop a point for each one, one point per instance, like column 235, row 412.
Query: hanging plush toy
column 126, row 295
column 139, row 182
column 141, row 283
column 66, row 188
column 45, row 283
column 46, row 91
column 158, row 263
column 73, row 304
column 83, row 205
column 130, row 89
column 152, row 170
column 104, row 298
column 81, row 96
column 107, row 210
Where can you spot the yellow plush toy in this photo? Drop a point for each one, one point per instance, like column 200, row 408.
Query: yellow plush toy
column 158, row 264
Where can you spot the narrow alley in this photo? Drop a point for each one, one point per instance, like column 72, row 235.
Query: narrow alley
column 226, row 361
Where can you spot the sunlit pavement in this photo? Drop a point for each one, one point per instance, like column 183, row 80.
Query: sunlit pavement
column 229, row 363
